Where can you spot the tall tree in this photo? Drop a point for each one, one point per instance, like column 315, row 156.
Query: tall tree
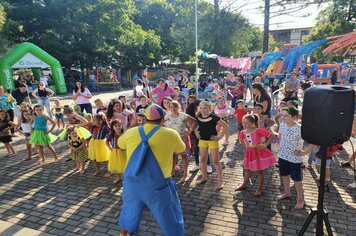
column 338, row 18
column 89, row 31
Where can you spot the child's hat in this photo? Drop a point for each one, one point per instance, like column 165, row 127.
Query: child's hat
column 154, row 112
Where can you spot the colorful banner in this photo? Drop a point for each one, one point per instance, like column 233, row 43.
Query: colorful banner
column 244, row 63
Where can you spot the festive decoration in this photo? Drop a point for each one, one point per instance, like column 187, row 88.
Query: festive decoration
column 290, row 56
column 271, row 57
column 342, row 42
column 296, row 54
column 243, row 63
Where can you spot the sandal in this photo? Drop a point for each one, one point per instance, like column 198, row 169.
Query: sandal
column 345, row 164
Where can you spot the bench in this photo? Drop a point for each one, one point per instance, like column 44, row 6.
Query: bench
column 115, row 85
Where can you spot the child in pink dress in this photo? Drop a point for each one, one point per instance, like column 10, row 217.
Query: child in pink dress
column 257, row 156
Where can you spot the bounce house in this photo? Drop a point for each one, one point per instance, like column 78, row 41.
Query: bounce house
column 324, row 70
column 28, row 55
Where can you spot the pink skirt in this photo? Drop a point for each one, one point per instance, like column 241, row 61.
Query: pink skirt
column 258, row 159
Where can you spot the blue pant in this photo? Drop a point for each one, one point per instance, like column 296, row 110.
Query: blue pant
column 144, row 185
column 44, row 101
column 87, row 107
column 162, row 200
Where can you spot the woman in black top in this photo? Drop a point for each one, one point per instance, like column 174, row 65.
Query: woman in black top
column 42, row 94
column 208, row 141
column 260, row 95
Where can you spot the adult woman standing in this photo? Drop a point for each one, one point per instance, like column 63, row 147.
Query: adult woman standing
column 42, row 94
column 261, row 96
column 82, row 97
column 7, row 104
column 162, row 91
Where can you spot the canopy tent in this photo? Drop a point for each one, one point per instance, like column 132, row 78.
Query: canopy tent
column 339, row 43
column 28, row 55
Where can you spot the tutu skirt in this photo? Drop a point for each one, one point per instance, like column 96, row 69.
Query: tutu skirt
column 98, row 151
column 80, row 155
column 256, row 159
column 117, row 161
column 39, row 137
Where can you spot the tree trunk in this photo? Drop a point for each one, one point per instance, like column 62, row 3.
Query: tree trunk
column 216, row 41
column 266, row 26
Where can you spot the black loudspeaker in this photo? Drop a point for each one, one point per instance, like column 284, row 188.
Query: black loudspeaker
column 328, row 112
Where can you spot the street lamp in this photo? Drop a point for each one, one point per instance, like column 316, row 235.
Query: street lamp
column 196, row 50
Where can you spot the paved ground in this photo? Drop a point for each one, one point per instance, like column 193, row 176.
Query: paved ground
column 54, row 199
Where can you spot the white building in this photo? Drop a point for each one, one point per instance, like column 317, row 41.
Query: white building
column 291, row 34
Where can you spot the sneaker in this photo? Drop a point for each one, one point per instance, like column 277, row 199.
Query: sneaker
column 210, row 170
column 194, row 169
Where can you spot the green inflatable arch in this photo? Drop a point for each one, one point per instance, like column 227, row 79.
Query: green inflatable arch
column 28, row 55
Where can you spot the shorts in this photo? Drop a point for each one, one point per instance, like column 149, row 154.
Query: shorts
column 248, row 83
column 58, row 116
column 27, row 136
column 352, row 80
column 6, row 139
column 289, row 168
column 210, row 144
column 318, row 162
column 239, row 127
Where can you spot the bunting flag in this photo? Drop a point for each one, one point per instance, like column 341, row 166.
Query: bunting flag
column 345, row 42
column 244, row 63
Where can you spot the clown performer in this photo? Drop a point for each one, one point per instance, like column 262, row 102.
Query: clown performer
column 147, row 177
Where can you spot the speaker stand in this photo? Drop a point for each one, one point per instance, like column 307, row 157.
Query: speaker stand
column 319, row 211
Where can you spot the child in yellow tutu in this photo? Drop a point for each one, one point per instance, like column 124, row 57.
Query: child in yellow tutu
column 98, row 151
column 117, row 160
column 41, row 135
column 77, row 143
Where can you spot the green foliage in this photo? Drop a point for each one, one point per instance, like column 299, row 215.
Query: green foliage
column 128, row 33
column 336, row 19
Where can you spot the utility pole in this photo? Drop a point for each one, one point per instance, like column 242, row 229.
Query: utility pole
column 196, row 50
column 266, row 26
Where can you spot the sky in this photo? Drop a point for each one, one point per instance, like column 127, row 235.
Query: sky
column 252, row 11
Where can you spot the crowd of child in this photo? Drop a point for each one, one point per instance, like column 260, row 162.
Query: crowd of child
column 200, row 124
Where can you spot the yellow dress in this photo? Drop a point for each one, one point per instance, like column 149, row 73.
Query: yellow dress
column 98, row 151
column 117, row 161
